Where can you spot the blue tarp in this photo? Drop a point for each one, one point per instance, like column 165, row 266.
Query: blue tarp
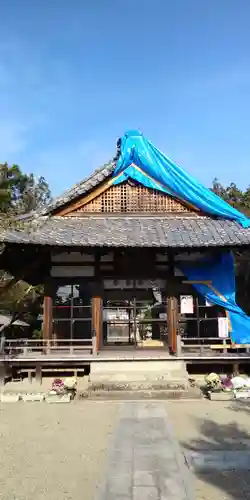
column 220, row 272
column 141, row 161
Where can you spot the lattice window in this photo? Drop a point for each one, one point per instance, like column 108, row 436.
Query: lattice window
column 126, row 198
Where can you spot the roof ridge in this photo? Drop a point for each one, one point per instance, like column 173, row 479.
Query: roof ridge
column 78, row 189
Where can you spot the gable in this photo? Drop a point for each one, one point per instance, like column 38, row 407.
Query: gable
column 127, row 198
column 156, row 174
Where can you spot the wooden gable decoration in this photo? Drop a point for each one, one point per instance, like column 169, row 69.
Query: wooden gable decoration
column 127, row 198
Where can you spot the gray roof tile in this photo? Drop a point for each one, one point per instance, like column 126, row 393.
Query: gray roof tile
column 79, row 189
column 133, row 231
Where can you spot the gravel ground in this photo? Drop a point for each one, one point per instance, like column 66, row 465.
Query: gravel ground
column 58, row 452
column 54, row 452
column 206, row 426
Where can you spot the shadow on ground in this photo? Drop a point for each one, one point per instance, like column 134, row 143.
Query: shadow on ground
column 241, row 405
column 220, row 458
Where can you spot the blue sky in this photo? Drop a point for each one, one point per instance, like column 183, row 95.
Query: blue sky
column 74, row 75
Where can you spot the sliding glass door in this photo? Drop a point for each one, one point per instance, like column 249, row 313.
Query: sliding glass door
column 72, row 313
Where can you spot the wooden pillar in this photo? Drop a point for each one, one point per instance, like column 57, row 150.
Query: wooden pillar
column 97, row 318
column 172, row 323
column 47, row 313
column 172, row 312
column 97, row 321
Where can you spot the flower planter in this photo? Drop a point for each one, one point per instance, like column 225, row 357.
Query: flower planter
column 32, row 397
column 57, row 398
column 242, row 394
column 220, row 396
column 9, row 398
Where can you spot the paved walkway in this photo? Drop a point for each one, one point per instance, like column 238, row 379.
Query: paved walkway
column 145, row 461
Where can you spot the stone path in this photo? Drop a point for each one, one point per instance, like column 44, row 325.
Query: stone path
column 145, row 461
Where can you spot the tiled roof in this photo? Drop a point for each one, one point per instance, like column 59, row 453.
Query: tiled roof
column 132, row 231
column 81, row 188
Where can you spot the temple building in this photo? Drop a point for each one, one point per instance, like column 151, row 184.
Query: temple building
column 136, row 257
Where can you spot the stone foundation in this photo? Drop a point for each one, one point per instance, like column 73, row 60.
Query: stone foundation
column 138, row 376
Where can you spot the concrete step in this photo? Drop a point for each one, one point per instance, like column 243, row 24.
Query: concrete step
column 137, row 385
column 138, row 375
column 193, row 394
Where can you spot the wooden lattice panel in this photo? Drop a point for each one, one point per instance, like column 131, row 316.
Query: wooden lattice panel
column 126, row 198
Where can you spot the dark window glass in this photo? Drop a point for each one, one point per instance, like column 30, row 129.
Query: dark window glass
column 62, row 312
column 61, row 329
column 72, row 303
column 81, row 329
column 82, row 312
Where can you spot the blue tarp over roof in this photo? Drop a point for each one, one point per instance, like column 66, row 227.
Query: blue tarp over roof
column 141, row 161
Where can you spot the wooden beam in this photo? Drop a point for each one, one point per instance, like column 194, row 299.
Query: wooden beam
column 196, row 282
column 88, row 198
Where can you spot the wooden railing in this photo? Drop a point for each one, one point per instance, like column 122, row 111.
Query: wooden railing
column 30, row 348
column 46, row 347
column 211, row 345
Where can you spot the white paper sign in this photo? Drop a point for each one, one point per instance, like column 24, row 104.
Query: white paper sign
column 187, row 304
column 163, row 316
column 223, row 328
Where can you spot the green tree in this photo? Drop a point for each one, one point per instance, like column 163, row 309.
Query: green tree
column 21, row 193
column 33, row 194
column 10, row 178
column 233, row 195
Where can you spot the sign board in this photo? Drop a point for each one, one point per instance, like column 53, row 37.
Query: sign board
column 115, row 315
column 223, row 328
column 116, row 284
column 187, row 304
column 163, row 316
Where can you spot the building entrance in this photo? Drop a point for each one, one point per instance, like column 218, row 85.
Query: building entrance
column 135, row 313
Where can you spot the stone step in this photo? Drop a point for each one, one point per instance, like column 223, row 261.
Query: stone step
column 137, row 385
column 138, row 375
column 132, row 366
column 193, row 394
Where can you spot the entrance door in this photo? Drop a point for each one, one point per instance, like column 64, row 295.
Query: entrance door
column 133, row 317
column 72, row 315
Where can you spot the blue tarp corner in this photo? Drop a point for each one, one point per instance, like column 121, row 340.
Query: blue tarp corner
column 141, row 161
column 218, row 273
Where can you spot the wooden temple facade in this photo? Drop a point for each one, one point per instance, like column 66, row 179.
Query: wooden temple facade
column 110, row 257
